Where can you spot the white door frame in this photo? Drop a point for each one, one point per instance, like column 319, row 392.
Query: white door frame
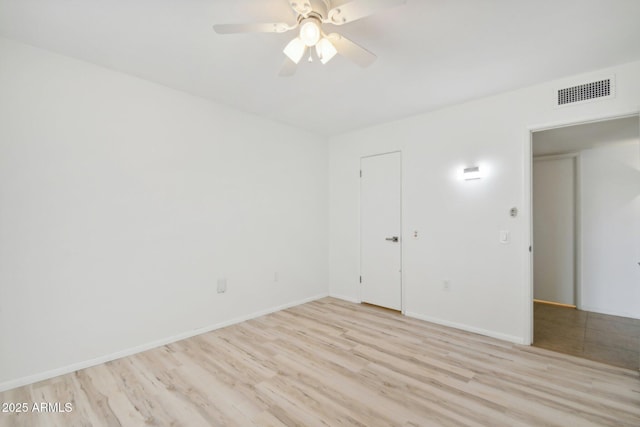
column 527, row 303
column 402, row 291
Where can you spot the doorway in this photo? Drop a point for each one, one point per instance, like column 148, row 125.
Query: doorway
column 380, row 230
column 555, row 229
column 586, row 254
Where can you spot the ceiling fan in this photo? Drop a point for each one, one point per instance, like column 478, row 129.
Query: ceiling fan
column 310, row 17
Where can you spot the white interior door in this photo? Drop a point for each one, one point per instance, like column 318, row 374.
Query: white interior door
column 554, row 230
column 380, row 222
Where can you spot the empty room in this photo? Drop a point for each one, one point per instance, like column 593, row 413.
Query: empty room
column 319, row 213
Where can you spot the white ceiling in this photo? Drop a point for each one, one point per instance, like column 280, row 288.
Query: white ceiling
column 571, row 139
column 431, row 53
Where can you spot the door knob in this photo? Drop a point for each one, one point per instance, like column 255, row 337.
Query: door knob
column 392, row 239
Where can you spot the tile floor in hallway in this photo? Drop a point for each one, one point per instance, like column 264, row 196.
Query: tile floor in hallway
column 610, row 339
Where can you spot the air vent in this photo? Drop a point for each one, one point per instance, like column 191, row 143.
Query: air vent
column 585, row 92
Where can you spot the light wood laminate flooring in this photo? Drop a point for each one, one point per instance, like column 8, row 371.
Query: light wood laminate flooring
column 334, row 363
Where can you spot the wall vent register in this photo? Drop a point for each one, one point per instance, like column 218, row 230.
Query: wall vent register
column 585, row 92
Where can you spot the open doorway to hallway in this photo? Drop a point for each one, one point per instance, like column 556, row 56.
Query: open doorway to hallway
column 586, row 250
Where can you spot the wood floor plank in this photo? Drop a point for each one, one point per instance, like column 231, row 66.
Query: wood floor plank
column 335, row 363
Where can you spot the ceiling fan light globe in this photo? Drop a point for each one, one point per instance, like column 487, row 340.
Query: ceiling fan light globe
column 325, row 50
column 310, row 32
column 295, row 50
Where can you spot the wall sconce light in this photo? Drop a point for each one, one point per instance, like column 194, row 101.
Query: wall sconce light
column 469, row 174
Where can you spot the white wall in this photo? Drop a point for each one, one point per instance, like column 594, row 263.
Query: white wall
column 459, row 222
column 610, row 200
column 121, row 204
column 554, row 241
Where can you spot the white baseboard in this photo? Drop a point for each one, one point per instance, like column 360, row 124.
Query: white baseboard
column 344, row 298
column 19, row 382
column 467, row 328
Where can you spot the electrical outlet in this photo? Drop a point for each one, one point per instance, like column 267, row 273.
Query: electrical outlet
column 415, row 234
column 446, row 284
column 222, row 286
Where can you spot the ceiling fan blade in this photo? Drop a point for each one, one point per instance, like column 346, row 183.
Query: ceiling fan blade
column 252, row 28
column 352, row 51
column 358, row 9
column 288, row 68
column 301, row 7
